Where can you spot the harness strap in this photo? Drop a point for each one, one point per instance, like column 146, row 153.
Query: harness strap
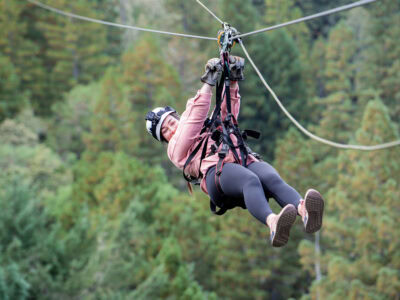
column 220, row 132
column 189, row 160
column 213, row 208
column 217, row 180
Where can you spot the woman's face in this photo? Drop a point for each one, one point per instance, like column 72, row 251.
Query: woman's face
column 169, row 127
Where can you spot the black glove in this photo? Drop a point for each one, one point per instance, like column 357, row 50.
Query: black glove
column 236, row 67
column 213, row 71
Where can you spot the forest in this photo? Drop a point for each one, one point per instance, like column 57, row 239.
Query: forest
column 92, row 208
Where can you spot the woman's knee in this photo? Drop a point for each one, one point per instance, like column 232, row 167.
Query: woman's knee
column 271, row 179
column 252, row 180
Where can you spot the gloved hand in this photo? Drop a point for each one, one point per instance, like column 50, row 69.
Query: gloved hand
column 236, row 67
column 213, row 71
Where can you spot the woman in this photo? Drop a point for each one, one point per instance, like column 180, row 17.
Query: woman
column 250, row 184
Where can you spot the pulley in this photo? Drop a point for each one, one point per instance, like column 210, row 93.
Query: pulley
column 226, row 38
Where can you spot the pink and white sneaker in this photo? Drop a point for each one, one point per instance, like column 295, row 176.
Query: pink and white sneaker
column 311, row 210
column 281, row 224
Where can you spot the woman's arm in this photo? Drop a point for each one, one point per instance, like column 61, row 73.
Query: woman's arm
column 190, row 125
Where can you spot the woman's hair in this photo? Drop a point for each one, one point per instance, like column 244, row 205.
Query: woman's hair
column 176, row 116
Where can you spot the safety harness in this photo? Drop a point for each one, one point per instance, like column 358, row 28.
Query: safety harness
column 220, row 131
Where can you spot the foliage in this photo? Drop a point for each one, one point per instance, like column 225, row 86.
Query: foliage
column 91, row 208
column 71, row 120
column 259, row 110
column 11, row 98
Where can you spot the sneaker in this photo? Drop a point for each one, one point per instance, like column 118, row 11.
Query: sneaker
column 281, row 224
column 311, row 209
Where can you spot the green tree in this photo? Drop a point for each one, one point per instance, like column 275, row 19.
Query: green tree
column 335, row 68
column 277, row 13
column 151, row 82
column 35, row 164
column 381, row 69
column 321, row 26
column 244, row 21
column 74, row 49
column 11, row 98
column 71, row 119
column 294, row 160
column 171, row 278
column 282, row 69
column 126, row 95
column 25, row 71
column 360, row 239
column 112, row 125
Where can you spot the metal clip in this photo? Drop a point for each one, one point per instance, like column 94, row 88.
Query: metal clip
column 226, row 38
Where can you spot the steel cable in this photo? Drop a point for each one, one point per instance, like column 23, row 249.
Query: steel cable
column 58, row 11
column 207, row 9
column 318, row 15
column 305, row 131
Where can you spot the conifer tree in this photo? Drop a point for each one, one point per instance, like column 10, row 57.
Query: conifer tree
column 277, row 58
column 150, row 82
column 339, row 78
column 335, row 72
column 360, row 238
column 171, row 277
column 321, row 26
column 277, row 12
column 71, row 119
column 240, row 14
column 112, row 125
column 381, row 69
column 75, row 49
column 11, row 98
column 23, row 54
column 191, row 17
column 294, row 160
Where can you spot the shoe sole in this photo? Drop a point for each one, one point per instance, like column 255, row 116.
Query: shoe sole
column 285, row 223
column 315, row 207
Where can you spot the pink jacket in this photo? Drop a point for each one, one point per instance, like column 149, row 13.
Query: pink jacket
column 187, row 135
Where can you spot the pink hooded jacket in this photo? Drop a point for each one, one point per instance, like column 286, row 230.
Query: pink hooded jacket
column 187, row 135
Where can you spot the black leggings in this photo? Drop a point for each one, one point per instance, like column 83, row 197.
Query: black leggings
column 254, row 185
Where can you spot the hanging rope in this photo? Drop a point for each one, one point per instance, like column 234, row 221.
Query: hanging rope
column 305, row 131
column 67, row 14
column 321, row 14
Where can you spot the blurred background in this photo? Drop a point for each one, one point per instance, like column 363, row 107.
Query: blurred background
column 91, row 207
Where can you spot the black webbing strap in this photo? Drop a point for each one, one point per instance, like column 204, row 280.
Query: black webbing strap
column 218, row 171
column 231, row 122
column 219, row 212
column 250, row 133
column 203, row 153
column 189, row 160
column 220, row 131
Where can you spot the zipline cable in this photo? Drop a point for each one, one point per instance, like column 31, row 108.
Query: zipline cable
column 298, row 125
column 305, row 131
column 207, row 9
column 58, row 11
column 318, row 15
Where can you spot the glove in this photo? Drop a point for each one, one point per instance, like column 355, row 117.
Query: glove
column 213, row 71
column 236, row 67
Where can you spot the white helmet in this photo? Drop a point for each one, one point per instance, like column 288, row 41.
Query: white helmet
column 155, row 118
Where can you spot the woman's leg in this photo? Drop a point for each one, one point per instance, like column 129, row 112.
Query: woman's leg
column 240, row 183
column 274, row 185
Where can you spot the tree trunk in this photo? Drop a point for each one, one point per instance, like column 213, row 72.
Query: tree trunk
column 317, row 262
